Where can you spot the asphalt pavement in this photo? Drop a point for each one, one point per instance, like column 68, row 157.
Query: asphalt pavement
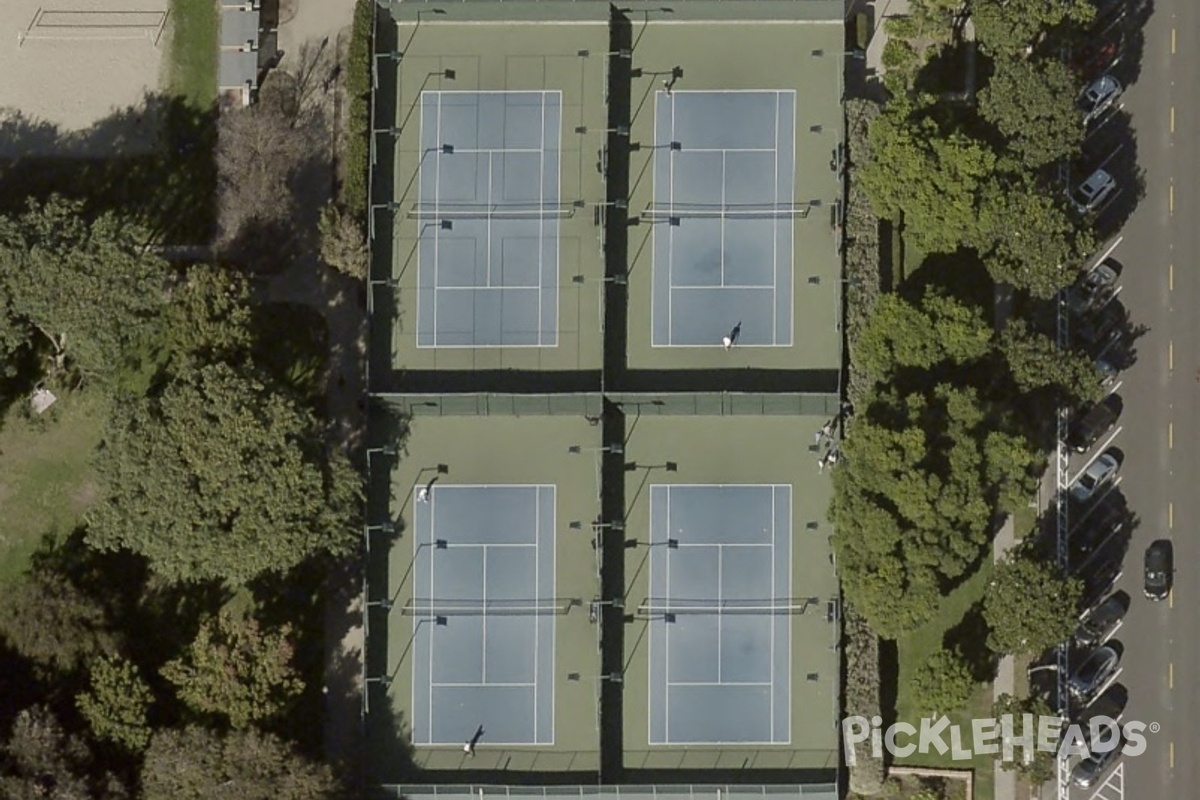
column 1160, row 253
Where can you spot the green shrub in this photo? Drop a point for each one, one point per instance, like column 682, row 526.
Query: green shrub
column 860, row 648
column 358, row 86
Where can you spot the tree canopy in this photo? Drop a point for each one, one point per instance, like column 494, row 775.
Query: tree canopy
column 1035, row 362
column 41, row 761
column 91, row 288
column 914, row 498
column 1032, row 103
column 117, row 704
column 236, row 670
column 1011, row 27
column 943, row 683
column 932, row 177
column 1041, row 764
column 221, row 479
column 47, row 619
column 198, row 764
column 939, row 329
column 1026, row 238
column 1029, row 606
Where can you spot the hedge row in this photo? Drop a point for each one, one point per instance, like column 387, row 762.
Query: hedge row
column 358, row 87
column 860, row 648
column 862, row 241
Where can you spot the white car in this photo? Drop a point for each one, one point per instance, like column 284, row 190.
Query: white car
column 1098, row 473
column 1090, row 194
column 1098, row 97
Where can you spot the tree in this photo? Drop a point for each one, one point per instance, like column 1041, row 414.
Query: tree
column 221, row 478
column 91, row 288
column 198, row 764
column 46, row 619
column 1032, row 102
column 900, row 334
column 208, row 317
column 1037, row 765
column 43, row 762
column 260, row 153
column 1029, row 606
column 1025, row 237
column 914, row 498
column 1036, row 362
column 343, row 245
column 1011, row 27
column 943, row 683
column 236, row 670
column 932, row 177
column 117, row 704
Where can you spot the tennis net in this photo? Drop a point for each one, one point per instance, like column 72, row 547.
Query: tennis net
column 660, row 607
column 488, row 608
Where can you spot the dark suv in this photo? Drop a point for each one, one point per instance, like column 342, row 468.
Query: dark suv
column 1094, row 423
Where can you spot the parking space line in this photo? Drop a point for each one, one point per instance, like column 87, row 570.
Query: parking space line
column 1107, row 252
column 1097, row 452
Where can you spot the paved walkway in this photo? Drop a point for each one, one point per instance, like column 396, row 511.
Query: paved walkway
column 1005, row 682
column 322, row 27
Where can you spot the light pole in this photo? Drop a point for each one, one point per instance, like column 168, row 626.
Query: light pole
column 440, row 12
column 447, row 74
column 635, row 147
column 387, row 528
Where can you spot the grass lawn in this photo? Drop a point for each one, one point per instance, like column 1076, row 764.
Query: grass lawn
column 45, row 475
column 192, row 69
column 916, row 648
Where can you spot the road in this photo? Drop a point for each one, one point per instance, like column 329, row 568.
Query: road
column 1161, row 419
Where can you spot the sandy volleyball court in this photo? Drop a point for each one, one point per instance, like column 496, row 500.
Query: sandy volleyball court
column 69, row 64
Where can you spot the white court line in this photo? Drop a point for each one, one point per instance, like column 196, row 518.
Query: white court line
column 720, row 683
column 489, row 684
column 486, row 288
column 759, row 287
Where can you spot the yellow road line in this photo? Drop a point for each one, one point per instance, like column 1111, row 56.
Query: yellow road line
column 1170, row 435
column 1171, row 277
column 1172, row 41
column 1171, row 355
column 1171, row 675
column 1170, row 515
column 1171, row 754
column 1171, row 599
column 1171, row 199
column 1172, row 119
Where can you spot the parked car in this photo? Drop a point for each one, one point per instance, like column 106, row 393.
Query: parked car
column 1098, row 97
column 1097, row 55
column 1092, row 768
column 1095, row 477
column 1102, row 621
column 1089, row 195
column 1159, row 569
column 1092, row 673
column 1094, row 288
column 1107, row 373
column 1097, row 331
column 1102, row 572
column 1111, row 704
column 1094, row 423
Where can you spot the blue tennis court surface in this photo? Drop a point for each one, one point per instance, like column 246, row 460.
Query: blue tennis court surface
column 720, row 614
column 723, row 208
column 488, row 212
column 483, row 614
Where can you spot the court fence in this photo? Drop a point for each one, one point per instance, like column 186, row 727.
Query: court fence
column 716, row 404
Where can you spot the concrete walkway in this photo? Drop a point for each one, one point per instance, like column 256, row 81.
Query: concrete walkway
column 314, row 35
column 1005, row 682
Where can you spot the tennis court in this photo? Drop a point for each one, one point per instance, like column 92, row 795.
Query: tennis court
column 488, row 214
column 719, row 614
column 483, row 614
column 724, row 177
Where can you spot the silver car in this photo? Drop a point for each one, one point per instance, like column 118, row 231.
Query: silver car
column 1092, row 768
column 1095, row 477
column 1099, row 96
column 1093, row 289
column 1088, row 196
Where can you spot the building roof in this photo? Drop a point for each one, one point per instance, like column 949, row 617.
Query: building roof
column 239, row 27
